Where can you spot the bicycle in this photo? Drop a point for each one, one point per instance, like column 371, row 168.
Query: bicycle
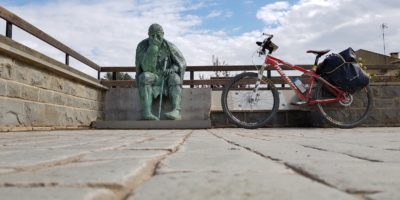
column 251, row 99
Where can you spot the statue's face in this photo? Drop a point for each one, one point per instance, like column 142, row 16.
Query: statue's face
column 156, row 38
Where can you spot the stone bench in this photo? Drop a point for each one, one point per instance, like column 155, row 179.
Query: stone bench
column 123, row 110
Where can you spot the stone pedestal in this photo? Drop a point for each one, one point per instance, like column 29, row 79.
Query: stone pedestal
column 123, row 104
column 123, row 110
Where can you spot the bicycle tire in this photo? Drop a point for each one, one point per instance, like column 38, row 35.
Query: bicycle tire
column 237, row 101
column 345, row 114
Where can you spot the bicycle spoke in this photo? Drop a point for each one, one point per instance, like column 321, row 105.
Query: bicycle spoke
column 346, row 113
column 247, row 106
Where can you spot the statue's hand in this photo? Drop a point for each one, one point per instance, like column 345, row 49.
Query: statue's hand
column 153, row 49
column 169, row 71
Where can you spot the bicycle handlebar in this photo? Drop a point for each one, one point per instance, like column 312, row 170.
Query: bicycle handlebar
column 266, row 44
column 270, row 36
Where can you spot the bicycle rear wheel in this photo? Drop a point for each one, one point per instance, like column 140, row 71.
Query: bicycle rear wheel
column 246, row 107
column 347, row 113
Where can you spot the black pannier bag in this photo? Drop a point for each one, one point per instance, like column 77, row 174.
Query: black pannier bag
column 343, row 71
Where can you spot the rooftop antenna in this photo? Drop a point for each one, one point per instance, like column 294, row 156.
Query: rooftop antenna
column 383, row 26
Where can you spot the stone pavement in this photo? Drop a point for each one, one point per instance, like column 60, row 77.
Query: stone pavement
column 361, row 163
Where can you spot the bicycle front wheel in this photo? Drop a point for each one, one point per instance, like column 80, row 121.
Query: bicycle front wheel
column 347, row 113
column 247, row 106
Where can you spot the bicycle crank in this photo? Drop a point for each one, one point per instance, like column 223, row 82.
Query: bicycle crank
column 347, row 101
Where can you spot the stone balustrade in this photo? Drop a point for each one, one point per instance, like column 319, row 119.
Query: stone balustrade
column 37, row 92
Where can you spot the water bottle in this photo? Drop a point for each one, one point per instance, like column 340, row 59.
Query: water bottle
column 299, row 85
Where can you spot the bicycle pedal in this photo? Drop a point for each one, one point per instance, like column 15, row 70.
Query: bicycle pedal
column 299, row 103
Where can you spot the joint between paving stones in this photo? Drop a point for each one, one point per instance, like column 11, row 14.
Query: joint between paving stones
column 151, row 171
column 364, row 158
column 316, row 148
column 305, row 173
column 247, row 148
column 390, row 149
column 354, row 191
column 353, row 156
column 40, row 166
column 300, row 171
column 174, row 150
column 150, row 149
column 308, row 175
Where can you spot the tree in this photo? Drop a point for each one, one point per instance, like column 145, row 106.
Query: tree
column 216, row 62
column 120, row 76
column 217, row 74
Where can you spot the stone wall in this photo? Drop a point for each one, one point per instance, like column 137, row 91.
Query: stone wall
column 386, row 111
column 37, row 92
column 123, row 104
column 387, row 105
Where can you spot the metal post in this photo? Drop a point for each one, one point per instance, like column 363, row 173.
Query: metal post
column 269, row 76
column 383, row 26
column 114, row 76
column 191, row 78
column 9, row 29
column 67, row 59
column 98, row 75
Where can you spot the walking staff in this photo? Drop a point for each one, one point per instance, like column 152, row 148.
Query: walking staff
column 162, row 87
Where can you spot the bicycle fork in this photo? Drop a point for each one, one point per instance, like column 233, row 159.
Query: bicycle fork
column 258, row 82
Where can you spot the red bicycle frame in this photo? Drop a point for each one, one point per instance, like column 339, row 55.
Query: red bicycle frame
column 306, row 96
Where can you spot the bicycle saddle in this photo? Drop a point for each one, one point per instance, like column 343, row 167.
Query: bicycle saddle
column 318, row 53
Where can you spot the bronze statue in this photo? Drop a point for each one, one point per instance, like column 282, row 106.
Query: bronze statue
column 160, row 69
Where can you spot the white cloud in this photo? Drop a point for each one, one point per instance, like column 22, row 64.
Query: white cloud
column 107, row 32
column 219, row 13
column 273, row 13
column 332, row 24
column 228, row 14
column 214, row 13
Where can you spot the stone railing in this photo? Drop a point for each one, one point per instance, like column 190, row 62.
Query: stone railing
column 218, row 82
column 37, row 92
column 14, row 20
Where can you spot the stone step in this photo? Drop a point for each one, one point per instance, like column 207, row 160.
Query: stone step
column 144, row 124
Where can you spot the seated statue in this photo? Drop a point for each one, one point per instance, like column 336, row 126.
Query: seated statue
column 158, row 61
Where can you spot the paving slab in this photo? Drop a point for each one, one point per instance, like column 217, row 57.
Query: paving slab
column 167, row 143
column 238, row 186
column 123, row 154
column 205, row 152
column 272, row 163
column 349, row 169
column 207, row 167
column 20, row 159
column 111, row 172
column 363, row 152
column 55, row 193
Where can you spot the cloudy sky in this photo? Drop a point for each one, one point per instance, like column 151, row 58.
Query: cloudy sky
column 107, row 31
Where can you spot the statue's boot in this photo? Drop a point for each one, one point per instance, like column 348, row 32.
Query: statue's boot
column 175, row 95
column 150, row 116
column 174, row 114
column 147, row 100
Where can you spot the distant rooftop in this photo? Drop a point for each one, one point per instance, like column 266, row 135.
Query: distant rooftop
column 373, row 58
